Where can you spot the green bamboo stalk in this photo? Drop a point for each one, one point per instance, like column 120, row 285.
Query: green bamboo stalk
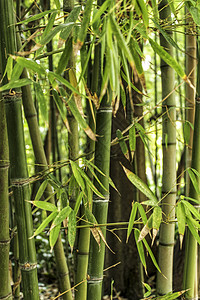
column 18, row 170
column 191, row 244
column 5, row 287
column 100, row 206
column 190, row 66
column 84, row 234
column 31, row 117
column 166, row 236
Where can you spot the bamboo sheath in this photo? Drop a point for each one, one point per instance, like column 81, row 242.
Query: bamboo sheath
column 5, row 287
column 166, row 237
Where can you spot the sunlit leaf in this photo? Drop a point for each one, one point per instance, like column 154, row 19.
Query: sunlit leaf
column 44, row 205
column 15, row 84
column 72, row 229
column 140, row 185
column 131, row 219
column 54, row 233
column 63, row 214
column 45, row 223
column 41, row 190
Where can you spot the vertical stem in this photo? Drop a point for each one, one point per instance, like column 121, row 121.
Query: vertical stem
column 5, row 288
column 191, row 243
column 166, row 237
column 100, row 206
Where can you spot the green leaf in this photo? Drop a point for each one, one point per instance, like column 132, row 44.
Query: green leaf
column 144, row 12
column 168, row 38
column 192, row 209
column 15, row 84
column 89, row 216
column 78, row 202
column 142, row 213
column 41, row 190
column 72, row 229
column 16, row 72
column 37, row 17
column 60, row 107
column 140, row 185
column 77, row 175
column 194, row 180
column 50, row 23
column 140, row 248
column 73, row 16
column 122, row 143
column 45, row 223
column 181, row 218
column 132, row 138
column 193, row 230
column 100, row 11
column 85, row 23
column 43, row 104
column 157, row 217
column 131, row 219
column 90, row 184
column 151, row 255
column 30, row 64
column 121, row 41
column 168, row 59
column 63, row 214
column 63, row 61
column 186, row 131
column 44, row 205
column 195, row 14
column 54, row 233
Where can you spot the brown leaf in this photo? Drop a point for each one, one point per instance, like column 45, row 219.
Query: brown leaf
column 104, row 240
column 96, row 235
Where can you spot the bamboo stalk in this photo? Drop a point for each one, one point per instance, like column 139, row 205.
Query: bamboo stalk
column 5, row 287
column 166, row 237
column 100, row 206
column 191, row 243
column 18, row 170
column 31, row 117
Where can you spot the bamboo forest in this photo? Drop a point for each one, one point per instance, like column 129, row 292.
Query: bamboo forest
column 99, row 149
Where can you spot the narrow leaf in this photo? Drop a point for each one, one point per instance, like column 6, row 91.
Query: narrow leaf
column 140, row 248
column 45, row 223
column 63, row 214
column 140, row 185
column 131, row 219
column 44, row 205
column 72, row 229
column 15, row 84
column 54, row 233
column 41, row 190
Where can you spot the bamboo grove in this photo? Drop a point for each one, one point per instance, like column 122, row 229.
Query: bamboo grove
column 100, row 148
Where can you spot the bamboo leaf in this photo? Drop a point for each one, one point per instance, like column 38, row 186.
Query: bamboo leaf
column 193, row 230
column 60, row 107
column 142, row 213
column 122, row 144
column 103, row 239
column 16, row 72
column 192, row 209
column 50, row 23
column 157, row 218
column 44, row 205
column 84, row 25
column 73, row 16
column 78, row 202
column 131, row 220
column 168, row 38
column 132, row 140
column 72, row 229
column 45, row 223
column 37, row 17
column 144, row 12
column 146, row 229
column 63, row 61
column 41, row 190
column 140, row 185
column 194, row 180
column 181, row 218
column 121, row 41
column 100, row 11
column 43, row 105
column 169, row 60
column 151, row 255
column 54, row 233
column 90, row 184
column 63, row 214
column 15, row 84
column 140, row 248
column 29, row 64
column 77, row 175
